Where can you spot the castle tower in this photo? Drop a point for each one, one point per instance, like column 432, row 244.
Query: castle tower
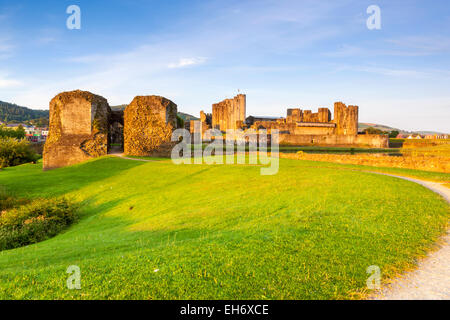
column 324, row 115
column 229, row 113
column 346, row 119
column 294, row 115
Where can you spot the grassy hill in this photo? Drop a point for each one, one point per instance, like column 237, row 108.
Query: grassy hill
column 187, row 117
column 10, row 112
column 182, row 115
column 376, row 126
column 155, row 230
column 119, row 107
column 383, row 127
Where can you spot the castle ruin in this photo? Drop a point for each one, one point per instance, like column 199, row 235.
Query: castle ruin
column 79, row 127
column 149, row 123
column 299, row 127
column 82, row 126
column 229, row 114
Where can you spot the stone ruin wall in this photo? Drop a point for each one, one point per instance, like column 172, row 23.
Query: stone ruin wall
column 435, row 163
column 148, row 125
column 205, row 120
column 229, row 114
column 360, row 140
column 80, row 124
column 297, row 121
column 300, row 127
column 303, row 127
column 78, row 129
column 346, row 119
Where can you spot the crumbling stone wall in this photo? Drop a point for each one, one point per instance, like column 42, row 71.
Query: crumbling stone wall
column 206, row 119
column 78, row 129
column 148, row 125
column 436, row 164
column 324, row 115
column 320, row 139
column 294, row 115
column 229, row 113
column 346, row 119
column 298, row 115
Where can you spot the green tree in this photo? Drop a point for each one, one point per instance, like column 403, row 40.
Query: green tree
column 14, row 152
column 393, row 134
column 180, row 122
column 20, row 132
column 372, row 130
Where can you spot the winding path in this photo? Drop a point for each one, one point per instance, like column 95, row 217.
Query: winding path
column 431, row 279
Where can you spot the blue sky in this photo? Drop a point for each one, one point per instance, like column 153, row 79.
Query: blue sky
column 282, row 54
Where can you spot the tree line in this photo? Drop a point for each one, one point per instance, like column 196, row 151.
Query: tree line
column 10, row 112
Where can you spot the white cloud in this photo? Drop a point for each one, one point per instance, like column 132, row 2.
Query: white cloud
column 9, row 83
column 423, row 45
column 184, row 62
column 6, row 48
column 396, row 72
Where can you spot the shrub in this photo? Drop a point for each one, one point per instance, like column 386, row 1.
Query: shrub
column 35, row 222
column 14, row 152
column 7, row 201
column 393, row 134
column 180, row 122
column 18, row 133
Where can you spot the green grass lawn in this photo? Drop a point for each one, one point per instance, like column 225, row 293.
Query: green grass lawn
column 154, row 230
column 318, row 149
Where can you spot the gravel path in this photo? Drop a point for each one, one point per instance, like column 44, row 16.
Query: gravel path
column 431, row 279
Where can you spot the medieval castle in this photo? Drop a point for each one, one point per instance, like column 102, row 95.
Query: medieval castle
column 82, row 126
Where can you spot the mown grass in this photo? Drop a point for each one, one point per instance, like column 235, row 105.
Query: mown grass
column 442, row 150
column 419, row 174
column 155, row 230
column 317, row 149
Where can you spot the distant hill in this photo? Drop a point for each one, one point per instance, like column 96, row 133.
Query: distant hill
column 187, row 117
column 13, row 113
column 182, row 115
column 10, row 112
column 376, row 126
column 119, row 107
column 383, row 127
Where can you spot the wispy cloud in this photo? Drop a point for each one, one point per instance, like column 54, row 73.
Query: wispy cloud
column 410, row 46
column 6, row 48
column 9, row 83
column 185, row 62
column 396, row 72
column 423, row 45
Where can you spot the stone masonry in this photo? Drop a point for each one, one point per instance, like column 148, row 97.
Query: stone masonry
column 229, row 114
column 82, row 126
column 79, row 123
column 148, row 125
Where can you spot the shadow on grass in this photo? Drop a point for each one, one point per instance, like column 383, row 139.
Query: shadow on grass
column 40, row 184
